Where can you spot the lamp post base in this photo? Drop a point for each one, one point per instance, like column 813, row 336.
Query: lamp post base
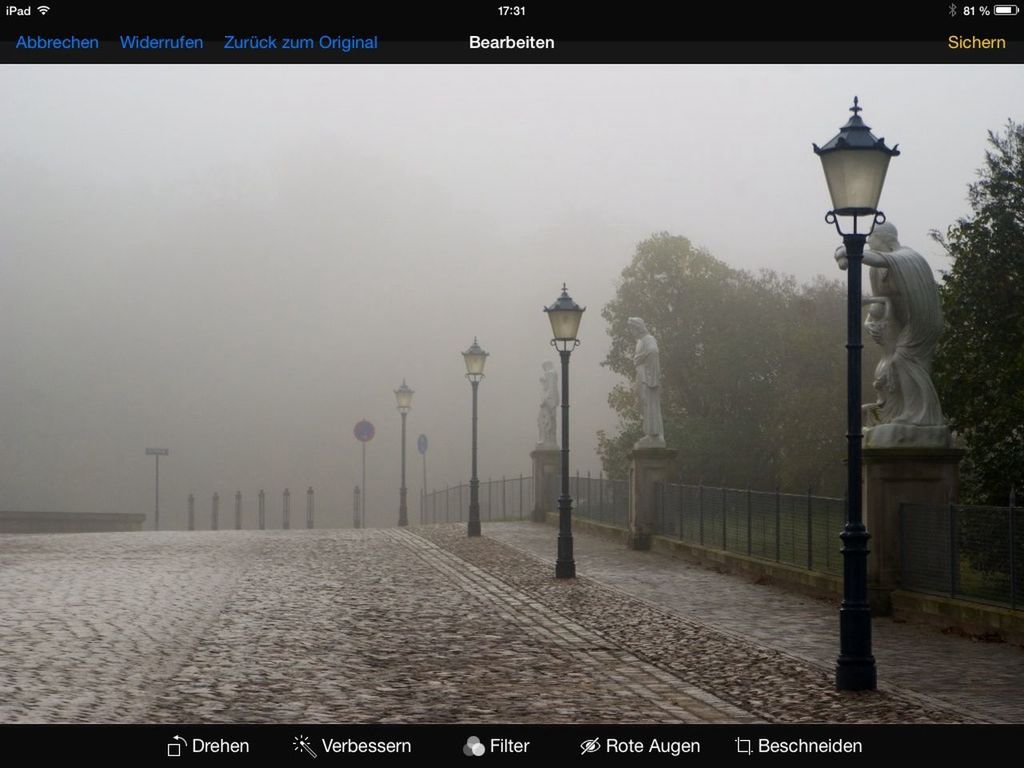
column 565, row 564
column 565, row 569
column 856, row 675
column 403, row 511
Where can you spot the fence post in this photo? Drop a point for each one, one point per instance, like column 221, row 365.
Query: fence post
column 903, row 543
column 590, row 494
column 215, row 511
column 700, row 507
column 725, row 518
column 286, row 514
column 1013, row 570
column 447, row 506
column 681, row 503
column 662, row 510
column 504, row 504
column 778, row 526
column 750, row 533
column 954, row 564
column 309, row 507
column 238, row 510
column 600, row 495
column 262, row 510
column 191, row 512
column 810, row 533
column 520, row 495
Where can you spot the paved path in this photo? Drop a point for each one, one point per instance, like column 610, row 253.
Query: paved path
column 419, row 625
column 982, row 679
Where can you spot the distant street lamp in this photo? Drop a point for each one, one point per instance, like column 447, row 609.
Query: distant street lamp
column 475, row 359
column 157, row 452
column 403, row 396
column 565, row 315
column 855, row 163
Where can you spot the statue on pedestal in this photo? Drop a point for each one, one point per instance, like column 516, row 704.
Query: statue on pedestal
column 905, row 319
column 546, row 422
column 648, row 385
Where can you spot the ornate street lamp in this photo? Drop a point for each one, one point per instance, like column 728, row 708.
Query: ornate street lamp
column 855, row 163
column 565, row 315
column 403, row 396
column 475, row 359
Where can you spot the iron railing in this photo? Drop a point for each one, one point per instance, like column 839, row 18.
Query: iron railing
column 968, row 552
column 509, row 498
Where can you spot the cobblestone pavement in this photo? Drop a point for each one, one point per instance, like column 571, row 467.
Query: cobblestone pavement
column 372, row 626
column 983, row 680
column 325, row 626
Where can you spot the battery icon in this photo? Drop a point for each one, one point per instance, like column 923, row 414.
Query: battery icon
column 1005, row 10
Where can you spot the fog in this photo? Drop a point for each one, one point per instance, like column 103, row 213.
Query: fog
column 239, row 263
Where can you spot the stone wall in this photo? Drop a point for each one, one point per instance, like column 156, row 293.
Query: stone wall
column 69, row 522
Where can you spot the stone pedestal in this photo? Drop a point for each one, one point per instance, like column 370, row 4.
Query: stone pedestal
column 648, row 466
column 894, row 476
column 547, row 463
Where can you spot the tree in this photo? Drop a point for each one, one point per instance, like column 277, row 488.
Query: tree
column 979, row 368
column 753, row 375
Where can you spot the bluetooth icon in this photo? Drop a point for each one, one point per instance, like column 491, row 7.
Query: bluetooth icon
column 952, row 9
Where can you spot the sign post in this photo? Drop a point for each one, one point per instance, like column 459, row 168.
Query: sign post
column 364, row 433
column 421, row 446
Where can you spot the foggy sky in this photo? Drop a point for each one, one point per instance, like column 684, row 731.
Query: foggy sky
column 239, row 263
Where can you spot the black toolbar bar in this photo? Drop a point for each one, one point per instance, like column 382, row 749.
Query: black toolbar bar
column 483, row 32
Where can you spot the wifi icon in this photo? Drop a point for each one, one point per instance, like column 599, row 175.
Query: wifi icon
column 43, row 9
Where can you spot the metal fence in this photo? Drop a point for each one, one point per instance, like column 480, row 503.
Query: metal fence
column 600, row 499
column 510, row 498
column 796, row 529
column 975, row 553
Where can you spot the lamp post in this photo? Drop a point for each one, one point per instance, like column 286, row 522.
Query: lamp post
column 474, row 358
column 157, row 452
column 565, row 315
column 403, row 396
column 855, row 163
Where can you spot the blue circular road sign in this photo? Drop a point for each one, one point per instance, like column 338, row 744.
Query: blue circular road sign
column 364, row 431
column 421, row 444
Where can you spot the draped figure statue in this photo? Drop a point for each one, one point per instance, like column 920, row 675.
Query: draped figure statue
column 546, row 422
column 648, row 385
column 905, row 319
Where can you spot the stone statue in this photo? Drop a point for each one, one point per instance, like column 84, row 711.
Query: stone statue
column 549, row 402
column 648, row 385
column 905, row 319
